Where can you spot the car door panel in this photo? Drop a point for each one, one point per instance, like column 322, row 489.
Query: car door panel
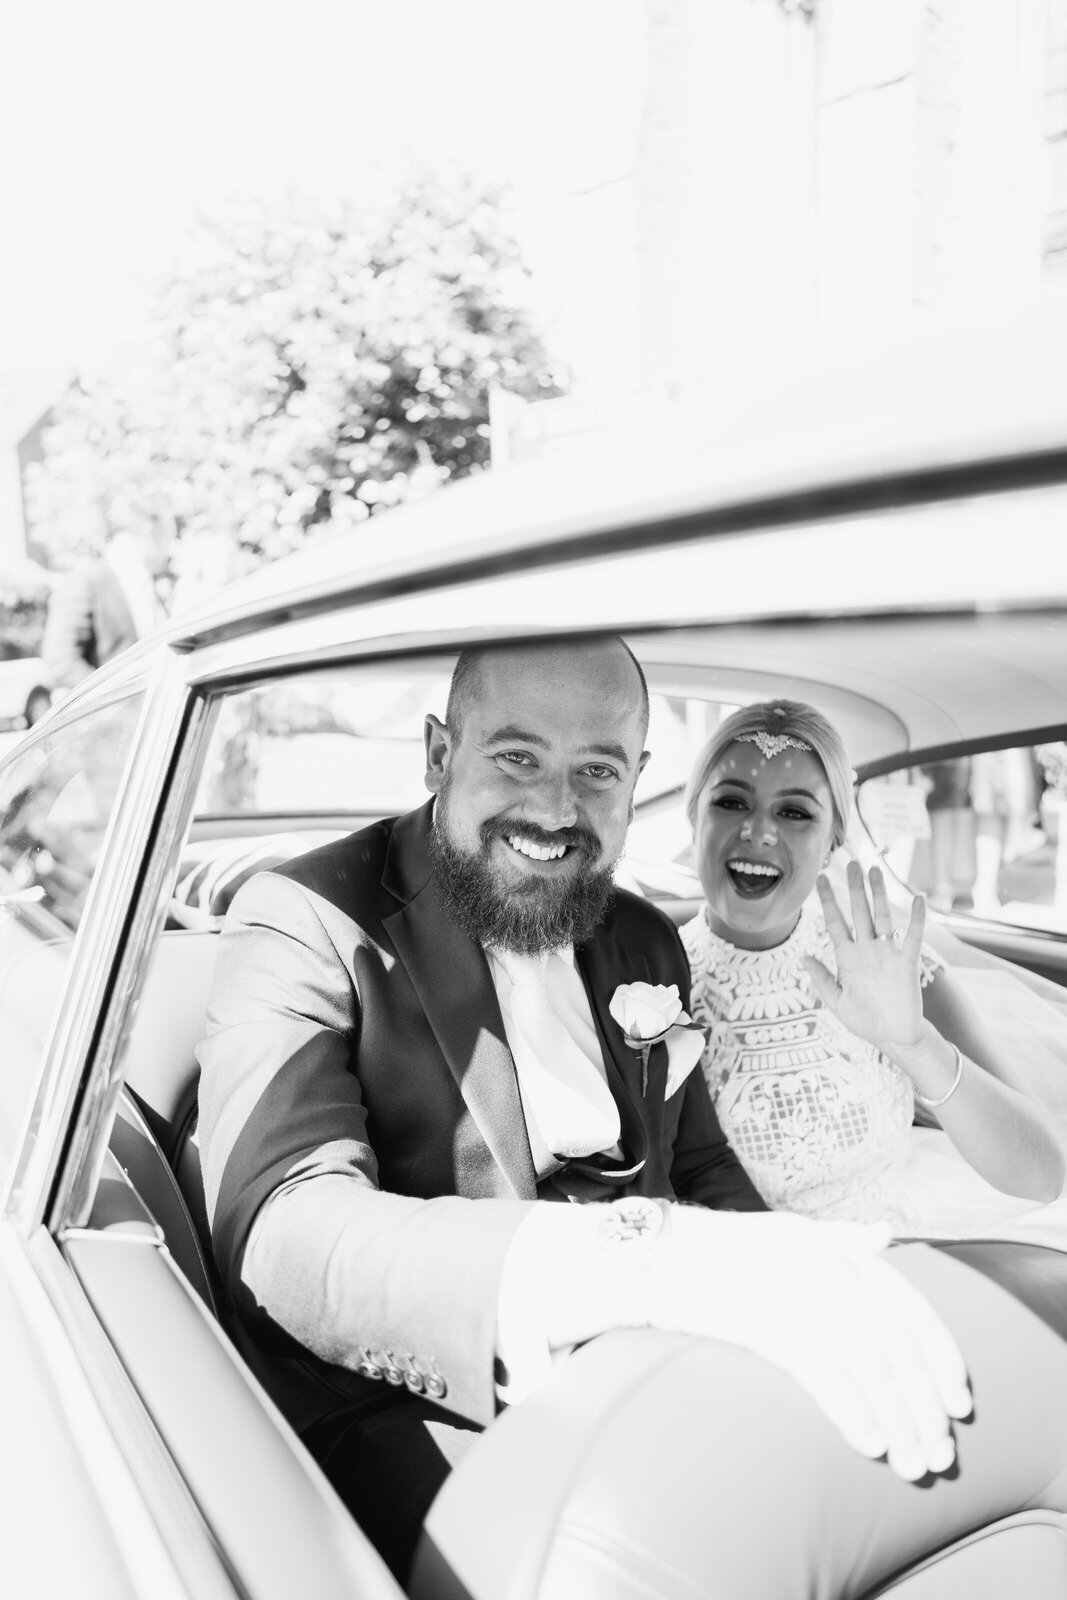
column 45, row 1465
column 276, row 1519
column 1041, row 953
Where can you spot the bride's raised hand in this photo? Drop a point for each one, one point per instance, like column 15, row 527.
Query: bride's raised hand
column 877, row 993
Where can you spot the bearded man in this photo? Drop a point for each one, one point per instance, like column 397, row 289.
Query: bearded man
column 413, row 1050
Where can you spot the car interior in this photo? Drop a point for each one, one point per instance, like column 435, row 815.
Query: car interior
column 899, row 706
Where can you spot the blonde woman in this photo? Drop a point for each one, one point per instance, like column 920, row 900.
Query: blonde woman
column 829, row 1037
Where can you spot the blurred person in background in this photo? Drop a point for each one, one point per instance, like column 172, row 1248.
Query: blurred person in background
column 107, row 602
column 1004, row 794
column 953, row 865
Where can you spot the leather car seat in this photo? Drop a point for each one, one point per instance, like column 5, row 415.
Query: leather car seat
column 139, row 1154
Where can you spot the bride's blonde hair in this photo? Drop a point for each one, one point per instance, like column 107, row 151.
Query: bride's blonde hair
column 790, row 719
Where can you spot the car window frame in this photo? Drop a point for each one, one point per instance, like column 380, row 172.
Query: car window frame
column 61, row 805
column 1014, row 940
column 74, row 1076
column 66, row 1149
column 65, row 1152
column 927, row 754
column 205, row 666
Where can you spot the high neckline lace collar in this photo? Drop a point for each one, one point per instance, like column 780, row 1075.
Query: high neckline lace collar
column 805, row 937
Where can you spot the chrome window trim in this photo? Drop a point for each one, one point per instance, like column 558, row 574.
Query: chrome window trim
column 169, row 799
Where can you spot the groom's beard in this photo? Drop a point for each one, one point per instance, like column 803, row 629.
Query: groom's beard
column 529, row 917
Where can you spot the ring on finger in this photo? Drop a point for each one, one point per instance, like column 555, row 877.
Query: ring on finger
column 889, row 938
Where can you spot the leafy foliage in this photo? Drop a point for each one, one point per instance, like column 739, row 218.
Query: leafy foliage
column 315, row 361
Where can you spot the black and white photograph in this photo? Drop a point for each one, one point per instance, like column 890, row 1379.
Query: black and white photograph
column 533, row 800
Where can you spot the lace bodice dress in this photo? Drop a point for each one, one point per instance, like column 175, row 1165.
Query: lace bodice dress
column 821, row 1120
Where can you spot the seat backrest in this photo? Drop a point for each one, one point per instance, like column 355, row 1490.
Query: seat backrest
column 137, row 1151
column 161, row 1065
column 155, row 1131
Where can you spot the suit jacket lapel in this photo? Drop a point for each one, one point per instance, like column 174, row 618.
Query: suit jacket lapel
column 451, row 978
column 603, row 967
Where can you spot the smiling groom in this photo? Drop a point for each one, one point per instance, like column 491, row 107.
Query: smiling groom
column 419, row 1036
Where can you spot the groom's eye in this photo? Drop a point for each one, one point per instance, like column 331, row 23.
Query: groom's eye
column 601, row 774
column 515, row 758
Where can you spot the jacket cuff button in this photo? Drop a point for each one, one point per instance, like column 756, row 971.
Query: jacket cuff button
column 367, row 1364
column 436, row 1387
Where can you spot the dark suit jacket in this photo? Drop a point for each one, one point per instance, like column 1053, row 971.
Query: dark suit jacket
column 89, row 621
column 359, row 1105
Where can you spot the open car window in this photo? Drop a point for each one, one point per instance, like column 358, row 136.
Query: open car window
column 297, row 762
column 349, row 740
column 983, row 833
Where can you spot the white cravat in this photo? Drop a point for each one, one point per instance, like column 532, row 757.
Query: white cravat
column 570, row 1111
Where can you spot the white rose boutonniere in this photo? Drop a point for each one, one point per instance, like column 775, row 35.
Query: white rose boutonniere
column 652, row 1013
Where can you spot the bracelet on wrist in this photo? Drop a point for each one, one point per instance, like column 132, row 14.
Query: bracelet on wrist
column 931, row 1102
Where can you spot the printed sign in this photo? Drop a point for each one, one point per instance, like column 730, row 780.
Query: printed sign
column 893, row 810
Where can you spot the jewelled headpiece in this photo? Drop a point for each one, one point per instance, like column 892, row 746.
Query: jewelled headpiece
column 772, row 744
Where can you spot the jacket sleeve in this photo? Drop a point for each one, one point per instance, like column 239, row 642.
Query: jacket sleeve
column 68, row 648
column 301, row 1229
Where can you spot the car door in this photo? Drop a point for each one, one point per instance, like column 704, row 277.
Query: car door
column 175, row 1475
column 60, row 794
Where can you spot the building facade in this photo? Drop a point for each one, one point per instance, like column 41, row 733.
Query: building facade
column 809, row 177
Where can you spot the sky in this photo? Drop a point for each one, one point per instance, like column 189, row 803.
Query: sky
column 119, row 118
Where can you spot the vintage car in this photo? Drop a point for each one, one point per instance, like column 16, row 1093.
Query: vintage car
column 887, row 543
column 24, row 688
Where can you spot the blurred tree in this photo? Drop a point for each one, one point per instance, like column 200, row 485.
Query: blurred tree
column 315, row 361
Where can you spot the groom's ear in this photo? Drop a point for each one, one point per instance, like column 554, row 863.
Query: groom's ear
column 642, row 763
column 438, row 742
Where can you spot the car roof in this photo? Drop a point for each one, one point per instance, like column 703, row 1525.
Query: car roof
column 898, row 687
column 953, row 416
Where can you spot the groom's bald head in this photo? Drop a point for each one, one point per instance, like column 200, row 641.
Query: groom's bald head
column 580, row 658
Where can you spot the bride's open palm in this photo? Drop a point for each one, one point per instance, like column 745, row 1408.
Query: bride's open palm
column 877, row 993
